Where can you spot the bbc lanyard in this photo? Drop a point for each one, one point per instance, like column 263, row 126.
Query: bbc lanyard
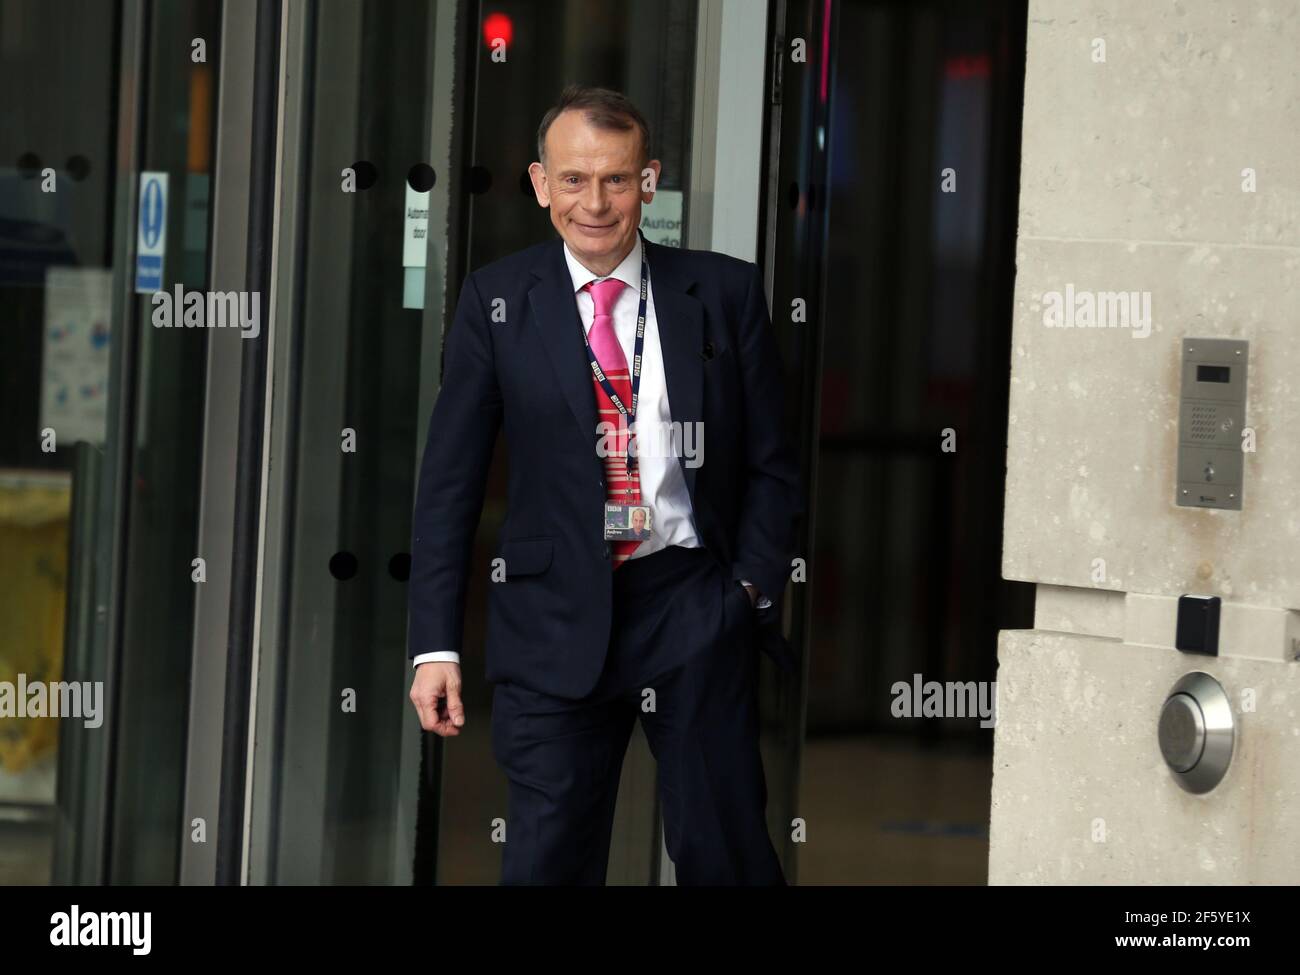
column 599, row 373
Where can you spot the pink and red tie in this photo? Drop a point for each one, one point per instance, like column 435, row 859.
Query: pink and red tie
column 619, row 487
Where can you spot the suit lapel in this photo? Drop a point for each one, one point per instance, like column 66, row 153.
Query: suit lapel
column 556, row 311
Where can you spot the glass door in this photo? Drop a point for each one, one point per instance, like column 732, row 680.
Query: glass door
column 908, row 291
column 99, row 450
column 646, row 49
column 404, row 167
column 334, row 784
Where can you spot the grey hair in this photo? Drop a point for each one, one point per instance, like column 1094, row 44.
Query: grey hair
column 601, row 107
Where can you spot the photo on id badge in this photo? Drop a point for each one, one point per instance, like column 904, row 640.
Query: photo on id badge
column 627, row 522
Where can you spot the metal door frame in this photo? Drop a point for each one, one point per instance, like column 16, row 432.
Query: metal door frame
column 209, row 724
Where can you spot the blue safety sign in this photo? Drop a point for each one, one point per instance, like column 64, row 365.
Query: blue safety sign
column 151, row 238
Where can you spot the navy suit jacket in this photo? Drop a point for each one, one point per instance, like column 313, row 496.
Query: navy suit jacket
column 514, row 359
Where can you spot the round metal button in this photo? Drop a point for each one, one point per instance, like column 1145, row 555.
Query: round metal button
column 1196, row 732
column 1182, row 732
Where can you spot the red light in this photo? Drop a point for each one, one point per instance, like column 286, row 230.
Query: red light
column 960, row 67
column 498, row 26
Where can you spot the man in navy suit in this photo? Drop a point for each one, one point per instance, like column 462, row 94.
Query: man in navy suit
column 584, row 351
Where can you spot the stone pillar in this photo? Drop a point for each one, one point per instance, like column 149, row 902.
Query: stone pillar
column 1161, row 163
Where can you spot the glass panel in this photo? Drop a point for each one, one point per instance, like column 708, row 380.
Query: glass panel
column 914, row 314
column 643, row 48
column 646, row 49
column 331, row 800
column 56, row 217
column 64, row 353
column 178, row 123
column 338, row 698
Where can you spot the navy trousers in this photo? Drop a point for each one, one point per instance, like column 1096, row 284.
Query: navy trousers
column 682, row 659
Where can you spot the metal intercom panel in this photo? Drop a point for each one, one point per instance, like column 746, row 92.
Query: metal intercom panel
column 1211, row 417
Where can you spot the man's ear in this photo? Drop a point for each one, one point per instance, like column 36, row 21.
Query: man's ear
column 538, row 175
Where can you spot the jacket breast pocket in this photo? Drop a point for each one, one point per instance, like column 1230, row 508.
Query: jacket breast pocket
column 722, row 368
column 526, row 556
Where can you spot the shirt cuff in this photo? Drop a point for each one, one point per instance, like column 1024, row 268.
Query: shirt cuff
column 440, row 656
column 763, row 601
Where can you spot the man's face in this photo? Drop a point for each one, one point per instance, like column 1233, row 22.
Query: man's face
column 638, row 519
column 592, row 185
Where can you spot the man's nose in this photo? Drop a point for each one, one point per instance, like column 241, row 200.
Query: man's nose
column 595, row 199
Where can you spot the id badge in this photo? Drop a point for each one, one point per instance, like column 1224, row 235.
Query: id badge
column 628, row 522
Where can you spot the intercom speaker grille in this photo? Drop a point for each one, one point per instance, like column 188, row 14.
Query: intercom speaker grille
column 1205, row 423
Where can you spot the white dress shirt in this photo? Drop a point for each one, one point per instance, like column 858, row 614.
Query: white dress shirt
column 663, row 486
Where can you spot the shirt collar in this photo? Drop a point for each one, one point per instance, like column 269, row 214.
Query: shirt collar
column 629, row 271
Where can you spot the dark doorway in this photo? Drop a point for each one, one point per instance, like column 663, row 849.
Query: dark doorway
column 894, row 220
